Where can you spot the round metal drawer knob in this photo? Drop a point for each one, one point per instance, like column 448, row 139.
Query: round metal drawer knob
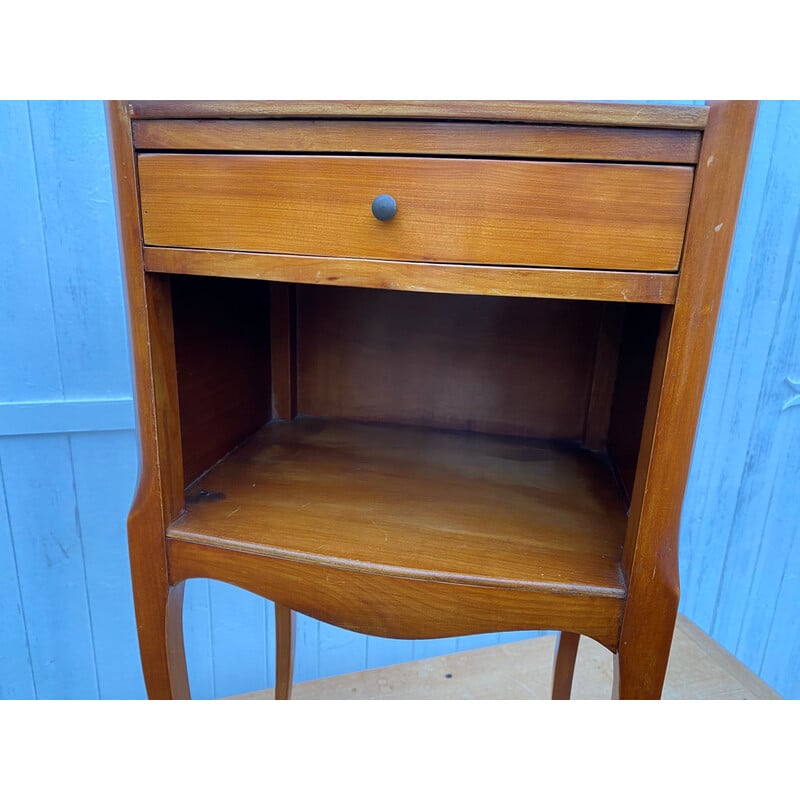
column 384, row 207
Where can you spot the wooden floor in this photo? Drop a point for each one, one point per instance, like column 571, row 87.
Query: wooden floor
column 699, row 669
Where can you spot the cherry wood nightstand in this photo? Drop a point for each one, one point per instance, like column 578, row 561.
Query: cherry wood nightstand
column 422, row 369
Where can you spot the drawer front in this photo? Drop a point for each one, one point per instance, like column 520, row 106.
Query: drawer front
column 473, row 211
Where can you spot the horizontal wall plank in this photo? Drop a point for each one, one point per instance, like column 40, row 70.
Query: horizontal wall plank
column 66, row 416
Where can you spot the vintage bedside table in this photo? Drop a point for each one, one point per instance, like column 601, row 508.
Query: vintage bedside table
column 422, row 369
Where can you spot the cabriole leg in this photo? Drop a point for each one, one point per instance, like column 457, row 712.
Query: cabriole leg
column 161, row 645
column 639, row 672
column 564, row 664
column 284, row 651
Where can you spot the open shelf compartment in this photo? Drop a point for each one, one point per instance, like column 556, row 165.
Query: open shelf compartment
column 411, row 502
column 343, row 447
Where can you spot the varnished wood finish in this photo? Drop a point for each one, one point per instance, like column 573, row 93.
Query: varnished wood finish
column 222, row 343
column 407, row 531
column 521, row 366
column 614, row 114
column 386, row 605
column 176, row 652
column 518, row 213
column 652, row 544
column 572, row 284
column 283, row 352
column 417, row 503
column 284, row 651
column 604, row 377
column 420, row 138
column 153, row 501
column 564, row 664
column 158, row 293
column 635, row 356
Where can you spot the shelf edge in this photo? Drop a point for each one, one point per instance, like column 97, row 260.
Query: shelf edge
column 176, row 533
column 557, row 283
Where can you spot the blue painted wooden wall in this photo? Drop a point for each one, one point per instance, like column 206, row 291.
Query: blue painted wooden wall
column 68, row 456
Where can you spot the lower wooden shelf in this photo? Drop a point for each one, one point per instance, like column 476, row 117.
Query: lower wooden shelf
column 449, row 532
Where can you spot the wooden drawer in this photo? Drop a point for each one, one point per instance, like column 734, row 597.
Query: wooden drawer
column 472, row 211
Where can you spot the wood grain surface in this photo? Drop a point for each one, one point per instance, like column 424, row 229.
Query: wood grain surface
column 420, row 138
column 601, row 398
column 222, row 356
column 570, row 284
column 410, row 532
column 387, row 605
column 158, row 497
column 283, row 350
column 684, row 348
column 416, row 503
column 635, row 356
column 489, row 364
column 638, row 115
column 603, row 216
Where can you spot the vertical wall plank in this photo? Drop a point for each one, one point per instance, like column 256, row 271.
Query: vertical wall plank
column 477, row 640
column 766, row 498
column 306, row 661
column 340, row 651
column 385, row 652
column 105, row 466
column 237, row 640
column 74, row 185
column 729, row 404
column 517, row 636
column 430, row 648
column 780, row 666
column 43, row 517
column 269, row 639
column 772, row 489
column 197, row 636
column 16, row 673
column 740, row 524
column 29, row 367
